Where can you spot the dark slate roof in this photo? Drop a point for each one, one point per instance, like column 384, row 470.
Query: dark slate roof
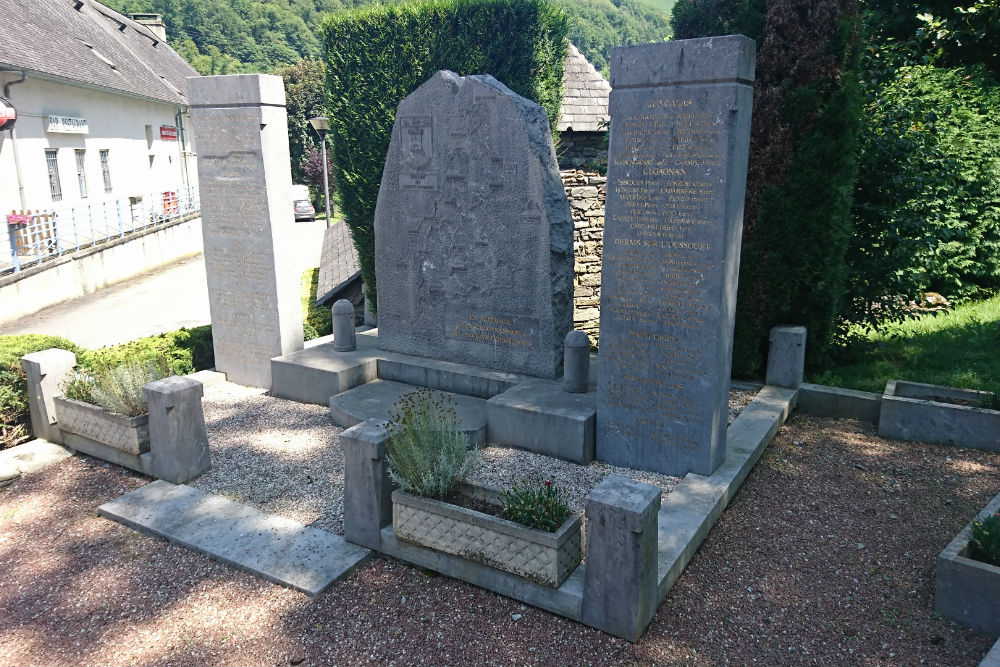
column 85, row 42
column 338, row 264
column 585, row 96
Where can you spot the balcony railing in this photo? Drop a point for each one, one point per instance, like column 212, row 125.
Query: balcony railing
column 62, row 230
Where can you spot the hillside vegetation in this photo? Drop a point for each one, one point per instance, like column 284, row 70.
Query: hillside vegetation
column 234, row 36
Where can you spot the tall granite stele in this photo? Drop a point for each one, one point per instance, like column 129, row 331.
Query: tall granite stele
column 473, row 232
column 680, row 135
column 244, row 170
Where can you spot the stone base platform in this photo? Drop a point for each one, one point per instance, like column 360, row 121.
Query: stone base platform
column 520, row 411
column 374, row 400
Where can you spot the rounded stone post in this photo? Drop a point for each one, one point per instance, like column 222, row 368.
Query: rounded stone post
column 343, row 326
column 576, row 362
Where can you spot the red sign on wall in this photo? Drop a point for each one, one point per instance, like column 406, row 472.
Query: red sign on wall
column 168, row 133
column 8, row 114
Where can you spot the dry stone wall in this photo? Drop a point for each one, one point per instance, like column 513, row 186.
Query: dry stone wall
column 586, row 191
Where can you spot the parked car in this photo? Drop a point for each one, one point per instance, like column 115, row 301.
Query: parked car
column 303, row 207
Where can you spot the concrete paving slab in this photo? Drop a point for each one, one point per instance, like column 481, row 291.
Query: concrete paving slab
column 374, row 400
column 32, row 456
column 275, row 548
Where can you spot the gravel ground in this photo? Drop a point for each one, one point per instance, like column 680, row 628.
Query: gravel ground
column 283, row 458
column 825, row 556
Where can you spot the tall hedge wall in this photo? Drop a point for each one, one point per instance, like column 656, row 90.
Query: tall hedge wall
column 803, row 165
column 379, row 54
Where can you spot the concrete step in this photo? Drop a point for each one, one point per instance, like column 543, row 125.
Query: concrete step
column 272, row 547
column 374, row 400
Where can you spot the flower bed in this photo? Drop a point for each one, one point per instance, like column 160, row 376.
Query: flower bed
column 539, row 556
column 129, row 434
column 929, row 413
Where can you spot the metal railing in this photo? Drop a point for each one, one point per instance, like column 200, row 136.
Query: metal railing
column 63, row 230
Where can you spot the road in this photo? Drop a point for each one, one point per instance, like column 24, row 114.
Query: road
column 166, row 299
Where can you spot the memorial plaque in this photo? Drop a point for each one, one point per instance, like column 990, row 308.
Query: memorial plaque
column 473, row 232
column 241, row 134
column 680, row 134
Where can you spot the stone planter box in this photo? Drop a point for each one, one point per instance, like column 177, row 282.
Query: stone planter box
column 128, row 434
column 968, row 591
column 917, row 411
column 539, row 556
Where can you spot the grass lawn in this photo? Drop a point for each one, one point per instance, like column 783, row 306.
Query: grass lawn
column 960, row 348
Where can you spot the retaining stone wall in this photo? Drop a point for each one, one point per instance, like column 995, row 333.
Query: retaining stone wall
column 586, row 191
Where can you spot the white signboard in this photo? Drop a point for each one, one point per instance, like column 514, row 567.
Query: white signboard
column 67, row 125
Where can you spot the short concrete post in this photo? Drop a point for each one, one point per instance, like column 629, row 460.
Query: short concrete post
column 367, row 488
column 45, row 371
column 576, row 362
column 620, row 586
column 343, row 326
column 178, row 441
column 786, row 357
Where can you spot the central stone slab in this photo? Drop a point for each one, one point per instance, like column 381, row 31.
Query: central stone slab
column 473, row 232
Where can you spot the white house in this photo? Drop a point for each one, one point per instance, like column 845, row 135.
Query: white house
column 101, row 107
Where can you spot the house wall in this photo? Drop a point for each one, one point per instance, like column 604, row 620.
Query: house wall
column 140, row 161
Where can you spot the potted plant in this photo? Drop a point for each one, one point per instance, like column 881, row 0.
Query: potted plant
column 108, row 406
column 427, row 458
column 17, row 221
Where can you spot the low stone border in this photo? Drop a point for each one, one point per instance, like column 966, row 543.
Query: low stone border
column 918, row 411
column 968, row 591
column 992, row 658
column 618, row 588
column 840, row 403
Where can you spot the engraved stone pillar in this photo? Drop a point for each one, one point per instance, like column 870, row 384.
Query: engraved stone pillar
column 343, row 326
column 677, row 168
column 178, row 441
column 241, row 134
column 576, row 362
column 367, row 488
column 620, row 585
column 786, row 357
column 45, row 371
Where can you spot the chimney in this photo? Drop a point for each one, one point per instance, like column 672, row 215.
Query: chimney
column 154, row 22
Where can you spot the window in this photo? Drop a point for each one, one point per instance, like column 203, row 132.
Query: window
column 81, row 175
column 52, row 163
column 106, row 170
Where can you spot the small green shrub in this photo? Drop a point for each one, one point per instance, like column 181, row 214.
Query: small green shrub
column 13, row 388
column 117, row 389
column 427, row 449
column 316, row 320
column 984, row 545
column 543, row 507
column 183, row 351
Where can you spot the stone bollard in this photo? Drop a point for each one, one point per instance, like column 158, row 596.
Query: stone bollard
column 576, row 362
column 178, row 441
column 367, row 488
column 344, row 339
column 620, row 587
column 45, row 371
column 786, row 357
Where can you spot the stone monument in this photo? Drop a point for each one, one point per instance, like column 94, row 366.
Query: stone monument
column 473, row 232
column 241, row 134
column 680, row 134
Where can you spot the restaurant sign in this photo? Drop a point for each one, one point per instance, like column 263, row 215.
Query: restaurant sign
column 67, row 125
column 8, row 114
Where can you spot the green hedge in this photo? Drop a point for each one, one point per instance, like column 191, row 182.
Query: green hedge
column 803, row 164
column 378, row 55
column 927, row 204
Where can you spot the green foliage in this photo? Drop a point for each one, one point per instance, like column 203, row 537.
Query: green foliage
column 183, row 351
column 117, row 389
column 927, row 205
column 380, row 54
column 543, row 507
column 797, row 221
column 427, row 449
column 13, row 387
column 597, row 25
column 984, row 541
column 233, row 36
column 180, row 352
column 306, row 98
column 952, row 349
column 316, row 320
